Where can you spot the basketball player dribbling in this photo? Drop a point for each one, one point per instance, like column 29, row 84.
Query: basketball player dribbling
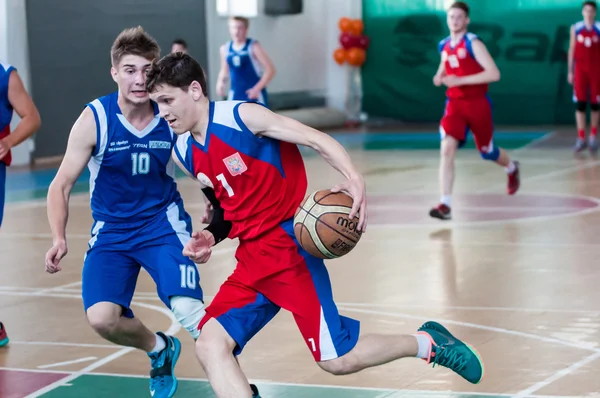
column 246, row 64
column 584, row 75
column 13, row 97
column 466, row 68
column 247, row 161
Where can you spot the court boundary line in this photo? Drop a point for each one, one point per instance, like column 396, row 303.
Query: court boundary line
column 299, row 385
column 553, row 340
column 172, row 330
column 557, row 375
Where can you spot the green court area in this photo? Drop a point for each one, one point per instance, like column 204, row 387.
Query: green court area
column 97, row 386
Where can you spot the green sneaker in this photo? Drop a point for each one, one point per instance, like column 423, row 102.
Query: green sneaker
column 450, row 352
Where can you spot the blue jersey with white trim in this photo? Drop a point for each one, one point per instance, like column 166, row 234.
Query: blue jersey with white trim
column 244, row 69
column 132, row 175
column 6, row 109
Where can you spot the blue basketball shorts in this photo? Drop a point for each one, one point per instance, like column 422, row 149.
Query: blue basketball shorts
column 117, row 252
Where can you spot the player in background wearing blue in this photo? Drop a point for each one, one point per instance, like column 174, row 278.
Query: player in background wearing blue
column 246, row 64
column 139, row 218
column 13, row 97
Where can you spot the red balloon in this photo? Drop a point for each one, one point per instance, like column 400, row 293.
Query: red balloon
column 363, row 42
column 346, row 40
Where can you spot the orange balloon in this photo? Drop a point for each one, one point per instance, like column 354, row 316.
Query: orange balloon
column 356, row 56
column 345, row 24
column 356, row 27
column 340, row 56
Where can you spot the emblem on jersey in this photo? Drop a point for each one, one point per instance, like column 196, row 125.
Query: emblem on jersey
column 580, row 38
column 462, row 53
column 236, row 60
column 235, row 164
column 160, row 144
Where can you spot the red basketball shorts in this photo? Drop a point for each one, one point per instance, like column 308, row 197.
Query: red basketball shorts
column 586, row 85
column 469, row 114
column 274, row 272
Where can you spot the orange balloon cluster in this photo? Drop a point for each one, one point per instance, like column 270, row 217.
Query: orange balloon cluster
column 353, row 43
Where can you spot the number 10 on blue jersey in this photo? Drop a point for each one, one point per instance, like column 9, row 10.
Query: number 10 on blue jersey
column 140, row 163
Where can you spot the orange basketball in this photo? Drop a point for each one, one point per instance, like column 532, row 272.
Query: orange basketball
column 322, row 225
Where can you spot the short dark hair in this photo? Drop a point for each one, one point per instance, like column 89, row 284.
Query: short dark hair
column 177, row 70
column 589, row 3
column 461, row 5
column 181, row 42
column 134, row 41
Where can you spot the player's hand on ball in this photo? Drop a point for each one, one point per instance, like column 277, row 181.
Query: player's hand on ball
column 54, row 255
column 451, row 81
column 208, row 213
column 198, row 249
column 355, row 187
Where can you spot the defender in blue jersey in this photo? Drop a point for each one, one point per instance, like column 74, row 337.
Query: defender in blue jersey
column 139, row 219
column 246, row 63
column 13, row 97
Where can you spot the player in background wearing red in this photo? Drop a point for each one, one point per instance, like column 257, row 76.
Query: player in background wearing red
column 584, row 74
column 13, row 97
column 466, row 68
column 247, row 162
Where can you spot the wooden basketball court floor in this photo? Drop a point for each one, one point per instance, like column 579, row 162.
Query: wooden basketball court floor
column 517, row 277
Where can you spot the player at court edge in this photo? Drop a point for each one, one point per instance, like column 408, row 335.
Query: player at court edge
column 13, row 97
column 584, row 75
column 246, row 64
column 466, row 68
column 138, row 212
column 247, row 162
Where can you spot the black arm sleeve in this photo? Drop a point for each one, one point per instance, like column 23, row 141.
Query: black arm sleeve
column 218, row 226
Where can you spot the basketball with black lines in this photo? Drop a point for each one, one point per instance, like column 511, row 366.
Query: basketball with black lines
column 322, row 225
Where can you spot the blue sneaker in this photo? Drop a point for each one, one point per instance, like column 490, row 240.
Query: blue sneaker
column 255, row 393
column 448, row 351
column 3, row 335
column 163, row 383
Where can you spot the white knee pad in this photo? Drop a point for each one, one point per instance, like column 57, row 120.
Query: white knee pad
column 188, row 312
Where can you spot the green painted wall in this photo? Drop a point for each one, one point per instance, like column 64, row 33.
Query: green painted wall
column 528, row 40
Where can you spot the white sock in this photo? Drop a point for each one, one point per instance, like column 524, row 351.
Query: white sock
column 446, row 199
column 424, row 345
column 510, row 168
column 161, row 344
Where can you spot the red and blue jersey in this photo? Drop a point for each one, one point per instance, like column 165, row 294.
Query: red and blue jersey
column 258, row 181
column 459, row 60
column 6, row 109
column 587, row 47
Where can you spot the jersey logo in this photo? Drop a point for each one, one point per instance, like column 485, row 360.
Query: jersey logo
column 462, row 53
column 235, row 164
column 160, row 144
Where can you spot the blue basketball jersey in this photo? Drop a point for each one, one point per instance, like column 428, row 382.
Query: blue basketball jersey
column 132, row 176
column 244, row 70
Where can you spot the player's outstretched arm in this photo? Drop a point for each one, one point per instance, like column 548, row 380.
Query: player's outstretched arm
column 82, row 140
column 490, row 71
column 441, row 72
column 571, row 55
column 262, row 121
column 22, row 104
column 223, row 76
column 265, row 61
